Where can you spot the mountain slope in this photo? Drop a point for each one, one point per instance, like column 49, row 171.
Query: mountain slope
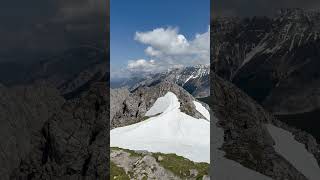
column 274, row 60
column 247, row 139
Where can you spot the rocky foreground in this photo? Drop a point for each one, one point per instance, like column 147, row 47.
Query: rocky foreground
column 50, row 138
column 128, row 164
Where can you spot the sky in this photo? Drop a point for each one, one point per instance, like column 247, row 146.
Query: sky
column 248, row 8
column 154, row 35
column 36, row 28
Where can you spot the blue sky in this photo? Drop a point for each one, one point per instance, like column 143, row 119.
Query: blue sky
column 175, row 17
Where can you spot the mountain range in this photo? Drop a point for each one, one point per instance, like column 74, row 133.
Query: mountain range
column 195, row 79
column 274, row 60
column 265, row 92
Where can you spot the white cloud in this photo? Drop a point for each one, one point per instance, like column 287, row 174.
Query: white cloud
column 142, row 65
column 152, row 52
column 168, row 41
column 167, row 49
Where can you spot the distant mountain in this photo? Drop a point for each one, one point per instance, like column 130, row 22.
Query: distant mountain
column 194, row 79
column 274, row 60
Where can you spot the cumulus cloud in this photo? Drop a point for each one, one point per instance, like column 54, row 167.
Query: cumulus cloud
column 167, row 40
column 152, row 52
column 167, row 48
column 143, row 64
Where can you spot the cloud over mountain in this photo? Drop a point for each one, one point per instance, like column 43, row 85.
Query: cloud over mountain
column 168, row 48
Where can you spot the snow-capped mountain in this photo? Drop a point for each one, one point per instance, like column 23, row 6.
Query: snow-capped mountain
column 167, row 130
column 195, row 79
column 130, row 107
column 161, row 119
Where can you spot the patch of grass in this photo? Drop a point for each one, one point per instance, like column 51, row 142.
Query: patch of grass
column 117, row 173
column 181, row 166
column 144, row 118
column 147, row 117
column 131, row 152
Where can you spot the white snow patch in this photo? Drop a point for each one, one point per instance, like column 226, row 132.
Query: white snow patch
column 199, row 73
column 201, row 109
column 224, row 168
column 170, row 132
column 294, row 152
column 165, row 103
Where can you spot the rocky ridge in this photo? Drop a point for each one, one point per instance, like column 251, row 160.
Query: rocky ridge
column 194, row 79
column 130, row 107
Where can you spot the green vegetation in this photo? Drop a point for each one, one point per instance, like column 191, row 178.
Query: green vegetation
column 178, row 165
column 131, row 152
column 144, row 118
column 118, row 173
column 181, row 166
column 147, row 117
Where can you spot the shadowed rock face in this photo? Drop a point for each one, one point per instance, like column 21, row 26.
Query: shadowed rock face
column 246, row 139
column 55, row 139
column 131, row 107
column 24, row 110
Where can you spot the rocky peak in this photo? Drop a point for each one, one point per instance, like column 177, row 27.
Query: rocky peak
column 131, row 107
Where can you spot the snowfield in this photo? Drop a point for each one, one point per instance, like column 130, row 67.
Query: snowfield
column 294, row 152
column 170, row 132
